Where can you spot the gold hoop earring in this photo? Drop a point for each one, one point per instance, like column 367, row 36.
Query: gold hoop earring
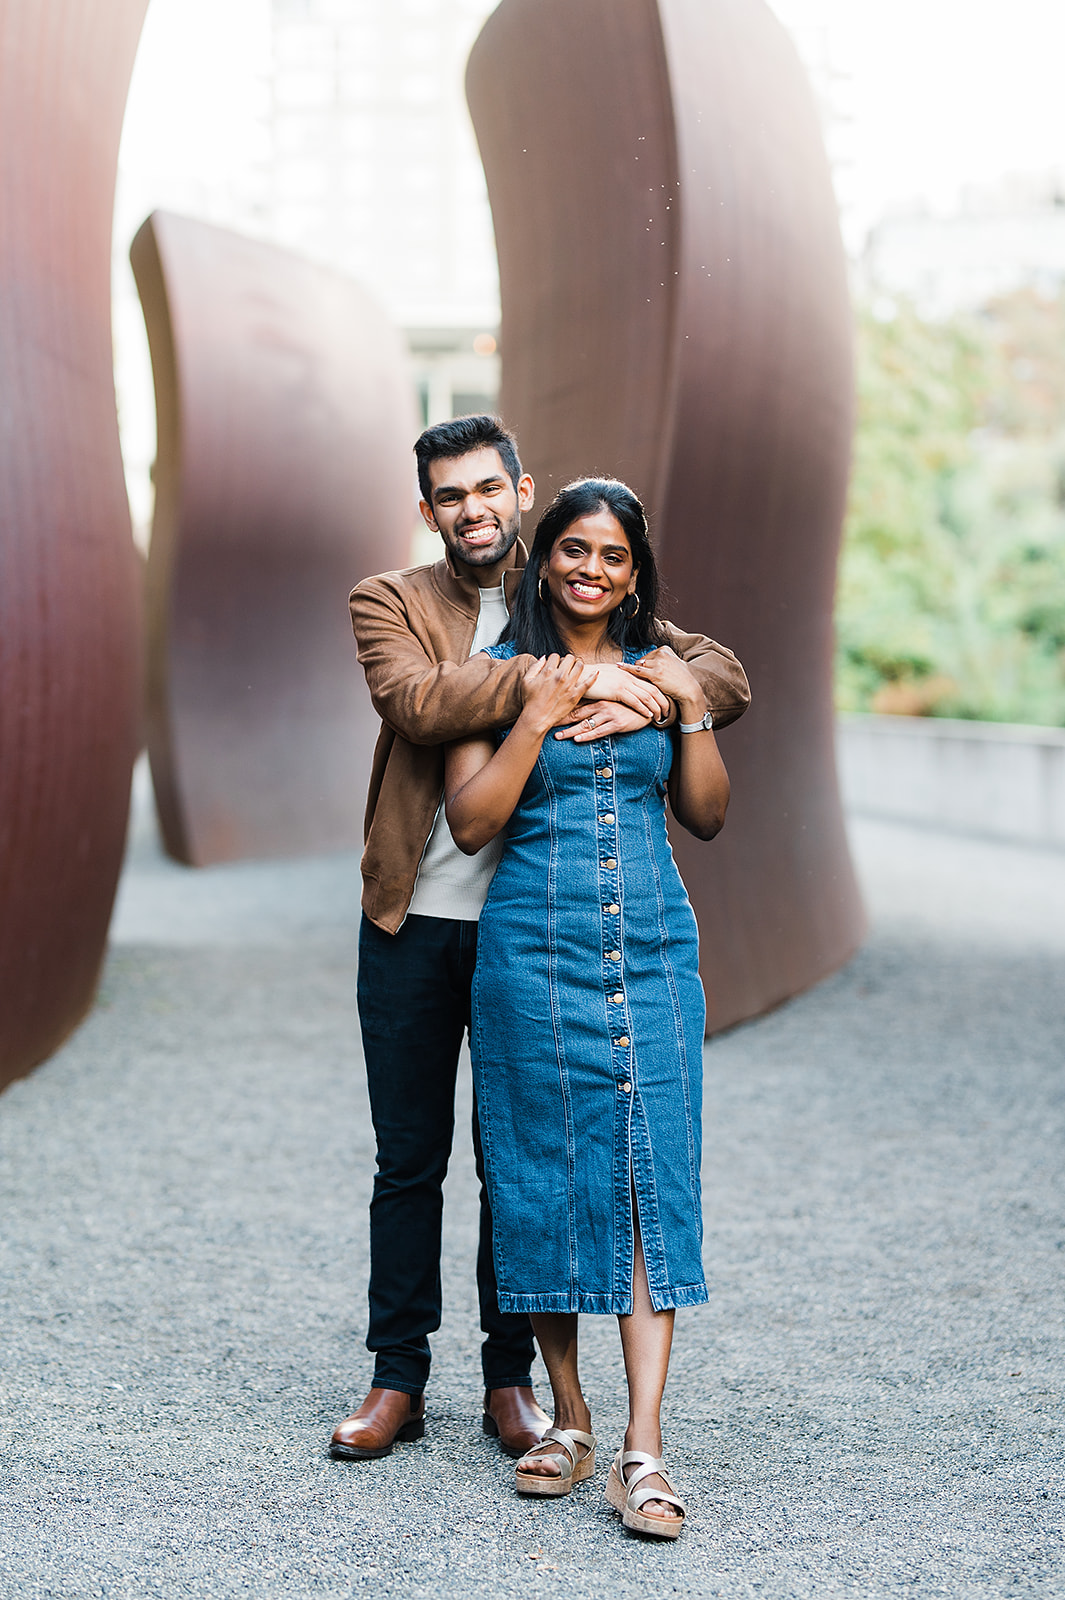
column 540, row 591
column 634, row 597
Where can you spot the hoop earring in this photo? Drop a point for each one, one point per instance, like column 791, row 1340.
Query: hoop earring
column 634, row 597
column 540, row 592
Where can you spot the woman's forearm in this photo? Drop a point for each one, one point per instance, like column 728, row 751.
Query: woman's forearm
column 479, row 800
column 698, row 785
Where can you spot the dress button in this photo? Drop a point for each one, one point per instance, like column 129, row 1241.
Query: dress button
column 613, row 955
column 624, row 1041
column 604, row 772
column 625, row 1087
column 607, row 818
column 613, row 908
column 610, row 863
column 617, row 999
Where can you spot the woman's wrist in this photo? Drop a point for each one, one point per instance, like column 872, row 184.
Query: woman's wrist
column 533, row 725
column 691, row 709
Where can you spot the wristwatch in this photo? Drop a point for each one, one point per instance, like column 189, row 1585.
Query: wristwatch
column 697, row 727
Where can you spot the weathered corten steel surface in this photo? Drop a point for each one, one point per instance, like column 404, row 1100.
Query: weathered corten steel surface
column 284, row 475
column 69, row 578
column 675, row 311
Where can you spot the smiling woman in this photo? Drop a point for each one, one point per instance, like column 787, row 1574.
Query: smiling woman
column 587, row 1008
column 590, row 571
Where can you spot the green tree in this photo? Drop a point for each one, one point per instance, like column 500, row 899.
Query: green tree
column 951, row 597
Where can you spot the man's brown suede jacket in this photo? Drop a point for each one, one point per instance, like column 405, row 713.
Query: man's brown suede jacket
column 414, row 630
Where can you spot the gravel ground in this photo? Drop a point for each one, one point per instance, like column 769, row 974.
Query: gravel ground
column 872, row 1404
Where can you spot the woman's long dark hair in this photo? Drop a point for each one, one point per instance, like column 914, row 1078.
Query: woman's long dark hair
column 531, row 627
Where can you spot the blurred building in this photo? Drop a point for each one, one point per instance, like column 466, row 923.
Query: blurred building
column 374, row 169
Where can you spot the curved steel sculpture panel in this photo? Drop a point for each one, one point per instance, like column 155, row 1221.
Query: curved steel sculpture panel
column 283, row 476
column 675, row 311
column 69, row 575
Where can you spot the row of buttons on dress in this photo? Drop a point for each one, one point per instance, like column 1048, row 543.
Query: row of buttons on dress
column 607, row 820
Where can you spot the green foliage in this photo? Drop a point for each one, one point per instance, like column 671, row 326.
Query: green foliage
column 952, row 581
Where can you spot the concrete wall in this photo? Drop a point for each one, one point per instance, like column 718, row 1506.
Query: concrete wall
column 993, row 778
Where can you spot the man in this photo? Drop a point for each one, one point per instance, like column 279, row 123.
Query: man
column 419, row 633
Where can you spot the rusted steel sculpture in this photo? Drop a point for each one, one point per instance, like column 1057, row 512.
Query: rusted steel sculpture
column 283, row 476
column 69, row 578
column 675, row 311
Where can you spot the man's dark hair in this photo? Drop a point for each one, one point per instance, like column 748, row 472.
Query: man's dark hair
column 445, row 441
column 531, row 626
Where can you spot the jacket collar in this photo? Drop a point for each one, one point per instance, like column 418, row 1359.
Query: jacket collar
column 463, row 592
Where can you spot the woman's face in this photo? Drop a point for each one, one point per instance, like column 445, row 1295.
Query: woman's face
column 590, row 569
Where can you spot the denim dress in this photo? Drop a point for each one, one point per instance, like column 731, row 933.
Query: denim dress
column 587, row 1036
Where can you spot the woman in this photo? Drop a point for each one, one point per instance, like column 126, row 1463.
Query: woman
column 588, row 1013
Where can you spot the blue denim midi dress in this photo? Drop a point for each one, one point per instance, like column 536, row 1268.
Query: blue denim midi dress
column 587, row 1036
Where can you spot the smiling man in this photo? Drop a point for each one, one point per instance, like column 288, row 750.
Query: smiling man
column 419, row 634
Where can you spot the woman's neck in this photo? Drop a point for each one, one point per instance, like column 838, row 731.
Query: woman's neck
column 588, row 641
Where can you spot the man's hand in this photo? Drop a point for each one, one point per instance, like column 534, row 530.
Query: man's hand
column 674, row 678
column 617, row 683
column 601, row 718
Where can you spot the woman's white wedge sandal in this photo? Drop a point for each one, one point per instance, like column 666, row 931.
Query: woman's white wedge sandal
column 572, row 1466
column 629, row 1495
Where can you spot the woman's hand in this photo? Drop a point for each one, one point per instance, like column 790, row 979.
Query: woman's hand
column 552, row 689
column 666, row 671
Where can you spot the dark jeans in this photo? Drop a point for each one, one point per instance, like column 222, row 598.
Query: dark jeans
column 414, row 1006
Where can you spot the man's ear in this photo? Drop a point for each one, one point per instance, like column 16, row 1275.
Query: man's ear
column 526, row 492
column 427, row 512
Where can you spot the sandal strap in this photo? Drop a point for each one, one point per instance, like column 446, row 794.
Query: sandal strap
column 637, row 1492
column 569, row 1439
column 567, row 1436
column 637, row 1498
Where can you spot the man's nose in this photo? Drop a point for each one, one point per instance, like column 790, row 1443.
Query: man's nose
column 473, row 508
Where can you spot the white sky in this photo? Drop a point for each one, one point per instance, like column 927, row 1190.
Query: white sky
column 197, row 89
column 940, row 94
column 936, row 93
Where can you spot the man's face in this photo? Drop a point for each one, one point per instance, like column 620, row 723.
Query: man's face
column 475, row 507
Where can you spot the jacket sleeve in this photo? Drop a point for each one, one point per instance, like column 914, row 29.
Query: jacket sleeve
column 427, row 701
column 724, row 681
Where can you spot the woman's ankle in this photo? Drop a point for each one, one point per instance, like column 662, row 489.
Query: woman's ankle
column 644, row 1436
column 575, row 1414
